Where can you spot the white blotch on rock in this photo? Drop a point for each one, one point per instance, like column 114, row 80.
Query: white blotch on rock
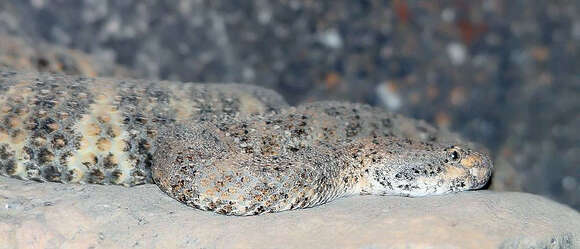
column 569, row 183
column 39, row 4
column 264, row 16
column 388, row 96
column 576, row 30
column 457, row 53
column 448, row 15
column 331, row 38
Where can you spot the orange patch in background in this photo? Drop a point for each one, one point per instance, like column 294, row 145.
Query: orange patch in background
column 332, row 80
column 443, row 119
column 402, row 11
column 432, row 91
column 458, row 96
column 470, row 31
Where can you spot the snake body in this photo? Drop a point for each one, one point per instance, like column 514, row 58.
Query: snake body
column 230, row 148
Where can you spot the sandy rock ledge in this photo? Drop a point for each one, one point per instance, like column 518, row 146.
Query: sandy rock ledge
column 50, row 215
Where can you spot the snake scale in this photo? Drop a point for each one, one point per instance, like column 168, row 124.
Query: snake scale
column 229, row 148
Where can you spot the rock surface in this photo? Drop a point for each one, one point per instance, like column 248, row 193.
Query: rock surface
column 51, row 215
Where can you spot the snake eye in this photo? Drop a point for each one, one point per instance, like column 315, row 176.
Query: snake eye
column 454, row 155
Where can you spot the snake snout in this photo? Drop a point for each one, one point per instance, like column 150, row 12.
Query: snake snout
column 481, row 170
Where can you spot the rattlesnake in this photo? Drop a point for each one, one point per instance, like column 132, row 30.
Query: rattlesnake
column 230, row 148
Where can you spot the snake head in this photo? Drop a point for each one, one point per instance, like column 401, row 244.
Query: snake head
column 416, row 168
column 472, row 167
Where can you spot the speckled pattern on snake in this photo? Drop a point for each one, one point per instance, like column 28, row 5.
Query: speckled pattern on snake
column 229, row 148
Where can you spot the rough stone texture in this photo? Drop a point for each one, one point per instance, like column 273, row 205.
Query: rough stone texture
column 484, row 68
column 51, row 215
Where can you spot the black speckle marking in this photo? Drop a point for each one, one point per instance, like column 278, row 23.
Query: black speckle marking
column 45, row 156
column 51, row 173
column 109, row 161
column 116, row 175
column 42, row 64
column 8, row 166
column 96, row 176
column 4, row 152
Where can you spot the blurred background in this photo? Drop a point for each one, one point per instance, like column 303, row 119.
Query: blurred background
column 502, row 73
